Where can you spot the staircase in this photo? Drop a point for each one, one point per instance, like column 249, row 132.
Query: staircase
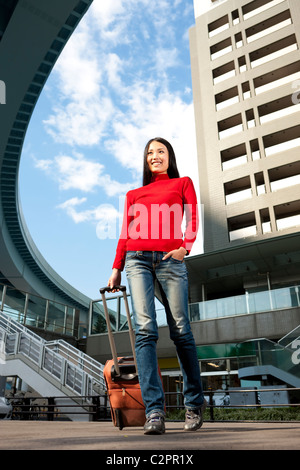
column 265, row 357
column 52, row 369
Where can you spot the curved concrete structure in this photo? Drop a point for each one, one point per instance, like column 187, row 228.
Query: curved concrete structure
column 32, row 36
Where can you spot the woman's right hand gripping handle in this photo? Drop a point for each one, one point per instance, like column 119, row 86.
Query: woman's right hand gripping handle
column 114, row 280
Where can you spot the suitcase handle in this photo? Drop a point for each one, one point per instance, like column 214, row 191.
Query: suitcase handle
column 109, row 330
column 109, row 289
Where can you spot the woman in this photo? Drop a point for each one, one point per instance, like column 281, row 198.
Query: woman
column 152, row 248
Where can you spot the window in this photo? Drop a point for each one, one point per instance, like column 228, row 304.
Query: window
column 234, row 156
column 217, row 26
column 268, row 26
column 273, row 51
column 260, row 183
column 284, row 176
column 277, row 109
column 230, row 126
column 227, row 98
column 235, row 17
column 242, row 64
column 242, row 226
column 282, row 140
column 220, row 49
column 224, row 72
column 237, row 190
column 265, row 220
column 276, row 78
column 246, row 90
column 250, row 118
column 258, row 6
column 238, row 38
column 287, row 215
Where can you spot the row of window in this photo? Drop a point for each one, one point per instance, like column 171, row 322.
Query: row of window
column 272, row 180
column 290, row 73
column 247, row 11
column 286, row 215
column 251, row 34
column 258, row 57
column 275, row 109
column 268, row 145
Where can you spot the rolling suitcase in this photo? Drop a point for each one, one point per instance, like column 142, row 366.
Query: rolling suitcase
column 121, row 378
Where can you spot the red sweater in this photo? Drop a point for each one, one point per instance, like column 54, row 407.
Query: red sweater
column 153, row 217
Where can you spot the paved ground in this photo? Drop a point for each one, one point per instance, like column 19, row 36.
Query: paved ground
column 66, row 435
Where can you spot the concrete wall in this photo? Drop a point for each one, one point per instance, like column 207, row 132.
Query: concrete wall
column 272, row 325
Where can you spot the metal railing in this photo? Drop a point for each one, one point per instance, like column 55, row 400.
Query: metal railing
column 262, row 352
column 288, row 340
column 35, row 408
column 38, row 312
column 248, row 303
column 238, row 403
column 69, row 367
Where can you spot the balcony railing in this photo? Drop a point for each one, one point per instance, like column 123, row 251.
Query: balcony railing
column 264, row 301
column 35, row 311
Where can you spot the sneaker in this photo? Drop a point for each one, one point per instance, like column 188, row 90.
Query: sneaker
column 194, row 418
column 155, row 424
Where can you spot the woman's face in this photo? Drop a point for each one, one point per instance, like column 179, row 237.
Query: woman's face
column 158, row 158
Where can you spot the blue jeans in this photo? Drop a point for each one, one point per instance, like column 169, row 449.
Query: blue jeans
column 144, row 271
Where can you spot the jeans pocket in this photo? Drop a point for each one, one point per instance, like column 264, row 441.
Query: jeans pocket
column 135, row 255
column 130, row 255
column 177, row 261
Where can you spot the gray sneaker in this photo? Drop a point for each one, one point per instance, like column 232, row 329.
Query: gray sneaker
column 155, row 424
column 194, row 418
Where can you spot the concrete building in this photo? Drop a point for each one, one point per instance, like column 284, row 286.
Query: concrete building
column 245, row 62
column 246, row 80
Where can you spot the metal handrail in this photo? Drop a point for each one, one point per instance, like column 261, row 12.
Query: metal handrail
column 288, row 339
column 77, row 357
column 81, row 375
column 99, row 410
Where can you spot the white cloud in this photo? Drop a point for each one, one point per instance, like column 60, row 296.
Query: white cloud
column 83, row 108
column 69, row 207
column 44, row 165
column 89, row 73
column 80, row 123
column 106, row 217
column 113, row 67
column 110, row 20
column 119, row 97
column 78, row 173
column 148, row 116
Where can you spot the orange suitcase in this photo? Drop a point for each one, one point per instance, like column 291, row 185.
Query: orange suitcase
column 121, row 378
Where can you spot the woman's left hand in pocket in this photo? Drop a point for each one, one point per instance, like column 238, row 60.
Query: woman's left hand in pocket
column 178, row 254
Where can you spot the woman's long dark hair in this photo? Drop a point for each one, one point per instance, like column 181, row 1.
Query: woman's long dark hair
column 172, row 169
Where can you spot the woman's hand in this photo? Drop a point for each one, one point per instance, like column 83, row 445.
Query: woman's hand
column 178, row 254
column 114, row 280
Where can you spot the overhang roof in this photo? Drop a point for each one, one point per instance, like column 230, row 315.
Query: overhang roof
column 227, row 269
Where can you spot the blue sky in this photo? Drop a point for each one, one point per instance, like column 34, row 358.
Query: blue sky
column 123, row 78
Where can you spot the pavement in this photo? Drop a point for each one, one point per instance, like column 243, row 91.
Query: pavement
column 103, row 436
